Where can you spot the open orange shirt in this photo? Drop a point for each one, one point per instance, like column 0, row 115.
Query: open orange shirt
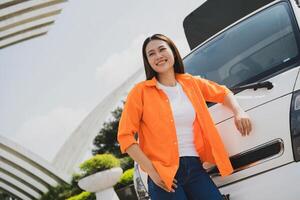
column 147, row 111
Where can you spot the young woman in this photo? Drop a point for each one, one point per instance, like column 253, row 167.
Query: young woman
column 176, row 132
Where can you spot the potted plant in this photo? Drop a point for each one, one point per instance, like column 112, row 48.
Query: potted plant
column 100, row 174
column 125, row 187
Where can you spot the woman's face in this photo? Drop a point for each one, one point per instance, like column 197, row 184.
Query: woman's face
column 160, row 56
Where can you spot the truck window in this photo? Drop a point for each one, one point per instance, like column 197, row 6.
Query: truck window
column 252, row 49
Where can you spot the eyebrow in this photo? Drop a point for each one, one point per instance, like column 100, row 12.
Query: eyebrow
column 158, row 48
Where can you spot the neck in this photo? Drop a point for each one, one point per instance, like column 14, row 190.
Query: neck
column 167, row 79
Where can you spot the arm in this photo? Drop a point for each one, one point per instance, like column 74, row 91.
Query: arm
column 129, row 124
column 138, row 155
column 241, row 119
column 214, row 92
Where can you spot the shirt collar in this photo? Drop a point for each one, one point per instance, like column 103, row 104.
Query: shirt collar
column 179, row 77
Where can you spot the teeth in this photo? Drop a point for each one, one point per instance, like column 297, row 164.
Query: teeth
column 161, row 62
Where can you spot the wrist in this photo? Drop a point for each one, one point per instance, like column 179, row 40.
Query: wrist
column 237, row 110
column 151, row 170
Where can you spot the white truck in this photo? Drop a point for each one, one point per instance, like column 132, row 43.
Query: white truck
column 252, row 47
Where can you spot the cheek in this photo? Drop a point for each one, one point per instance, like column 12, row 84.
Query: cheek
column 170, row 55
column 172, row 59
column 151, row 62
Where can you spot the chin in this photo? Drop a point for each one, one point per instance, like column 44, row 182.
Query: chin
column 162, row 70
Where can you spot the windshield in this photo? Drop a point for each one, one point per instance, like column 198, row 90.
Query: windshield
column 256, row 47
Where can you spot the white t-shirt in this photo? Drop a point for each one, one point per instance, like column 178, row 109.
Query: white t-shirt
column 184, row 116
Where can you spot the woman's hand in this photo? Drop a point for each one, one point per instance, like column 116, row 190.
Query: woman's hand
column 138, row 155
column 243, row 122
column 241, row 118
column 159, row 182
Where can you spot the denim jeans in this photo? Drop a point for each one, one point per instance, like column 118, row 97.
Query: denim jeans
column 193, row 183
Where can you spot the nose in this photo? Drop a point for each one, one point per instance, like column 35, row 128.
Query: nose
column 158, row 56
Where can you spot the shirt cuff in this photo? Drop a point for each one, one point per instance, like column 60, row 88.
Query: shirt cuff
column 125, row 142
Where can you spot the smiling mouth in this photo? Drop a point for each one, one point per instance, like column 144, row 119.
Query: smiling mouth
column 161, row 62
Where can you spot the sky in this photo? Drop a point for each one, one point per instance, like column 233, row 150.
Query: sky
column 48, row 85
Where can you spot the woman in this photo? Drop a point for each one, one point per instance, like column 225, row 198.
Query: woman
column 175, row 130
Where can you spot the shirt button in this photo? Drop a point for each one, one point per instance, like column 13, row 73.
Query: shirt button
column 167, row 100
column 171, row 120
column 175, row 142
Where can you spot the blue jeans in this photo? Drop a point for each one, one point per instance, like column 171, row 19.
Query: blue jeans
column 193, row 183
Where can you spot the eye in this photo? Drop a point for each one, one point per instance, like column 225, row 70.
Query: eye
column 163, row 48
column 150, row 54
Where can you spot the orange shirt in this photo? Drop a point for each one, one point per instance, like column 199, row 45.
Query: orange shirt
column 147, row 111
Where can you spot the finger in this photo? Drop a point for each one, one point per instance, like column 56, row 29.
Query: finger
column 245, row 127
column 160, row 184
column 164, row 187
column 240, row 125
column 250, row 125
column 237, row 125
column 174, row 185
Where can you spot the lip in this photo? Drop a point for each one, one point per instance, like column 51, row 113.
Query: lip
column 162, row 61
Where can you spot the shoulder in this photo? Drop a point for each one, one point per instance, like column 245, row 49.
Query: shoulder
column 198, row 78
column 189, row 77
column 140, row 85
column 137, row 89
column 185, row 76
column 193, row 76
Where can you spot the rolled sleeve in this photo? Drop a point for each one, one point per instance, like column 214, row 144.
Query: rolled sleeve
column 130, row 119
column 211, row 91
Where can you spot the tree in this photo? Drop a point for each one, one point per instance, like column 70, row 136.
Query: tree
column 106, row 139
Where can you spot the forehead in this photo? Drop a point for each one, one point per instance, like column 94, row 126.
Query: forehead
column 154, row 44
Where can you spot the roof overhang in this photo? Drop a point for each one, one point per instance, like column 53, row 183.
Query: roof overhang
column 22, row 20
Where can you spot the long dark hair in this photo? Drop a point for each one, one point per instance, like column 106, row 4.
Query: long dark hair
column 178, row 64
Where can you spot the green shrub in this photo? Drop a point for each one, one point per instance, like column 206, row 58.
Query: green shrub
column 126, row 163
column 99, row 163
column 126, row 179
column 83, row 196
column 64, row 190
